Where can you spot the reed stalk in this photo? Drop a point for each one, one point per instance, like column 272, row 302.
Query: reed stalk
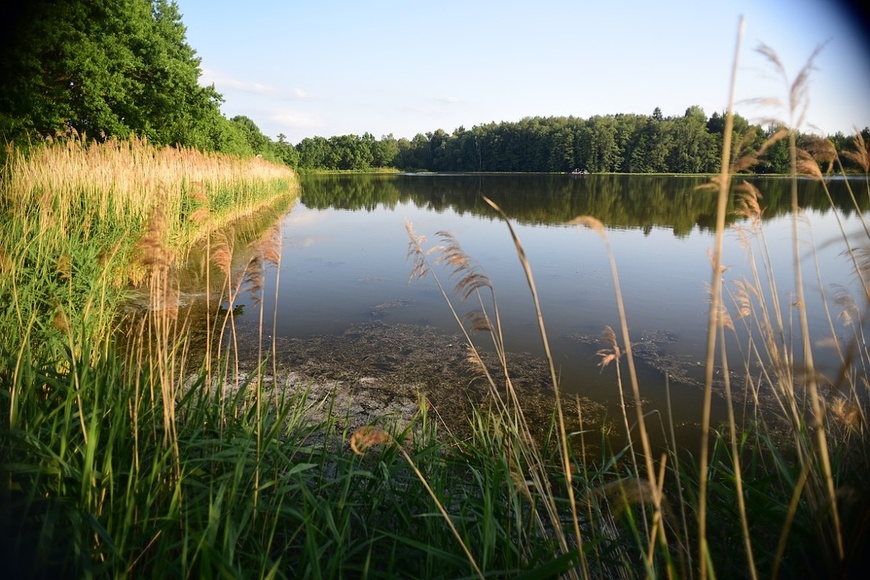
column 715, row 309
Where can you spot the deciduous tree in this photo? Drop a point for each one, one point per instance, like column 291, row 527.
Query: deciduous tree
column 104, row 68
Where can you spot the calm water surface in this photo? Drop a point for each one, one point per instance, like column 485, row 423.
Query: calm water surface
column 345, row 261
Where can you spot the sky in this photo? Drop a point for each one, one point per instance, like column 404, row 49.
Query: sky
column 403, row 67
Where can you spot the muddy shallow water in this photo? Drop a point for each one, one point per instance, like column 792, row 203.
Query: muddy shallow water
column 377, row 371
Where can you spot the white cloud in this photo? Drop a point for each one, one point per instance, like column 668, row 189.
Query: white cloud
column 222, row 82
column 451, row 100
column 293, row 119
column 300, row 95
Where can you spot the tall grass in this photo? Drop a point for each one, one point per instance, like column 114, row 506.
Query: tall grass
column 116, row 184
column 74, row 211
column 92, row 395
column 785, row 489
column 139, row 444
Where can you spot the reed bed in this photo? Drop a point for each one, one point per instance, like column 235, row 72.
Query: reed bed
column 121, row 457
column 767, row 494
column 116, row 185
column 774, row 494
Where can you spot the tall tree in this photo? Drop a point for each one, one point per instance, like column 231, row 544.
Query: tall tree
column 173, row 100
column 604, row 155
column 694, row 150
column 258, row 142
column 385, row 152
column 313, row 153
column 103, row 67
column 285, row 152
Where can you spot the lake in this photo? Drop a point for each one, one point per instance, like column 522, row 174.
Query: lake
column 344, row 263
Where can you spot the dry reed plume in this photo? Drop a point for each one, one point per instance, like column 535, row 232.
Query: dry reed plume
column 118, row 184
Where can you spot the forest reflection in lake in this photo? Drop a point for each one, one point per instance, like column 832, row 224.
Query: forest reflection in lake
column 345, row 244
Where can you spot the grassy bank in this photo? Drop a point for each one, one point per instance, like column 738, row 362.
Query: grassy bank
column 83, row 222
column 84, row 227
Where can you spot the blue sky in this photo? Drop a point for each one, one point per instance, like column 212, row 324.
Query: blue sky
column 335, row 67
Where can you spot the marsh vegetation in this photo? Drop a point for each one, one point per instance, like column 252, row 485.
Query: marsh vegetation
column 154, row 422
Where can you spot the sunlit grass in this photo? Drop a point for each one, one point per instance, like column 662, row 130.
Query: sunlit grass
column 94, row 450
column 98, row 187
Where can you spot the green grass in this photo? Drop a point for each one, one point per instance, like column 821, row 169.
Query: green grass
column 131, row 445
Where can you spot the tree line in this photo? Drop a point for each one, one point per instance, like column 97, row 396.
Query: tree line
column 622, row 143
column 113, row 69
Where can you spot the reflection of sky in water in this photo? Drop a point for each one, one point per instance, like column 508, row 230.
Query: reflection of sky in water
column 338, row 265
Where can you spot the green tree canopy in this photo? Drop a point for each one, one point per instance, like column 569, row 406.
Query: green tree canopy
column 105, row 68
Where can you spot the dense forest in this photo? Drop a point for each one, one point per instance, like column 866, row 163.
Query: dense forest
column 114, row 69
column 624, row 143
column 109, row 69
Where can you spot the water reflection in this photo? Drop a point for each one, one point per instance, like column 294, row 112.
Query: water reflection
column 344, row 264
column 619, row 201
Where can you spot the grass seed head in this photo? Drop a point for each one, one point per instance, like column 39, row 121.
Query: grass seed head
column 222, row 256
column 861, row 155
column 590, row 222
column 807, row 165
column 846, row 412
column 60, row 321
column 64, row 267
column 747, row 201
column 367, row 437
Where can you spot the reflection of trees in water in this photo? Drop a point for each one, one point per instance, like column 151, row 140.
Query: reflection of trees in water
column 243, row 238
column 625, row 201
